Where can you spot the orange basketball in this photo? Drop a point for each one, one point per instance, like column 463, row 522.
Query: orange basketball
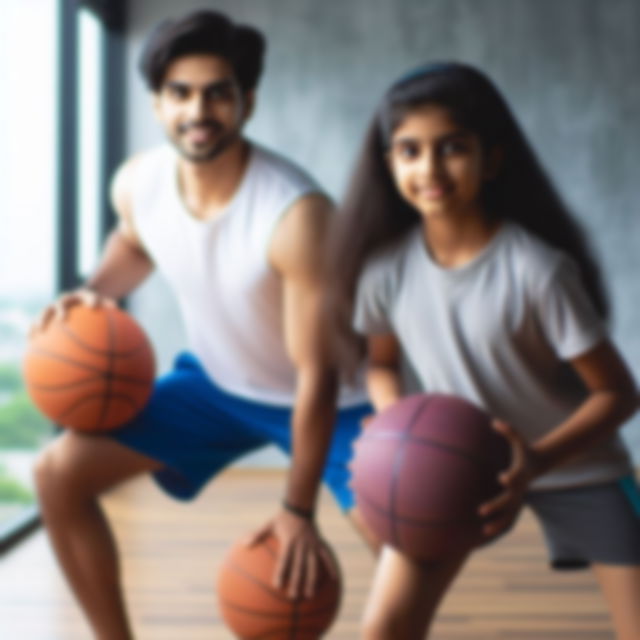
column 93, row 371
column 253, row 608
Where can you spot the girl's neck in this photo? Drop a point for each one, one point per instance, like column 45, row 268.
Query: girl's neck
column 207, row 188
column 454, row 241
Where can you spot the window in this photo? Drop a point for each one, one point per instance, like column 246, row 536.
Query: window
column 27, row 239
column 56, row 60
column 90, row 115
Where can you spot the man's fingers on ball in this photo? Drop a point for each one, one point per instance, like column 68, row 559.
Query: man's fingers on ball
column 254, row 538
column 281, row 569
column 41, row 322
column 329, row 562
column 311, row 574
column 89, row 298
column 296, row 576
column 59, row 312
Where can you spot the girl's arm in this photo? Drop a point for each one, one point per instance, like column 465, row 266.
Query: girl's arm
column 383, row 370
column 613, row 397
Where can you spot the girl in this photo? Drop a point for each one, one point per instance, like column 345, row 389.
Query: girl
column 456, row 255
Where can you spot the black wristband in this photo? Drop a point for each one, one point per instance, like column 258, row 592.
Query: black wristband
column 307, row 514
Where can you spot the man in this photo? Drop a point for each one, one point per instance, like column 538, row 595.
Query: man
column 238, row 233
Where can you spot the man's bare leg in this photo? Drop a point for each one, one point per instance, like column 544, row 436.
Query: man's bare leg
column 70, row 475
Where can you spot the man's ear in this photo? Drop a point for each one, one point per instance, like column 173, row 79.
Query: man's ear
column 248, row 104
column 155, row 104
column 493, row 166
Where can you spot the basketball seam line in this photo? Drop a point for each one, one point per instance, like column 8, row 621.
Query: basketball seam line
column 412, row 521
column 295, row 620
column 277, row 634
column 397, row 464
column 80, row 342
column 74, row 406
column 266, row 614
column 435, row 443
column 89, row 380
column 77, row 363
column 108, row 389
column 265, row 587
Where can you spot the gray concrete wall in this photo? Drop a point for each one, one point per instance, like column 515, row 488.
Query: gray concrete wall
column 570, row 69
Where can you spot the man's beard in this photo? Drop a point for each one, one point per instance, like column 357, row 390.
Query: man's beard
column 210, row 150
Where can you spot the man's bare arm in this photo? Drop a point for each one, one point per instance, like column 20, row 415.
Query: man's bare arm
column 297, row 254
column 123, row 265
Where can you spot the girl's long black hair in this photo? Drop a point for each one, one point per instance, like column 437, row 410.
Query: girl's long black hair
column 373, row 214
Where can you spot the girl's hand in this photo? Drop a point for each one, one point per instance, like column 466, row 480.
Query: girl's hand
column 501, row 512
column 364, row 422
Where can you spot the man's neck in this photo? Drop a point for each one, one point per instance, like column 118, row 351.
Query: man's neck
column 207, row 187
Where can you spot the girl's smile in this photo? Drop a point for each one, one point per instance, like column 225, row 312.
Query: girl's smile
column 438, row 167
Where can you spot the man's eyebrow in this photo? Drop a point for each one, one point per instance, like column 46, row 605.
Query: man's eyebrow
column 177, row 84
column 226, row 83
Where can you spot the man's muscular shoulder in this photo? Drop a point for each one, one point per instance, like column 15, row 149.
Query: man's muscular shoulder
column 122, row 195
column 297, row 247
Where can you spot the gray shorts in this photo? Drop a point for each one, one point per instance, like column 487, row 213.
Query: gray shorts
column 596, row 524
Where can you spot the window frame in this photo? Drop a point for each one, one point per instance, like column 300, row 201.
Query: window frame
column 112, row 16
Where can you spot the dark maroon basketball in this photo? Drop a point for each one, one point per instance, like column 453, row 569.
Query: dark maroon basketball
column 421, row 469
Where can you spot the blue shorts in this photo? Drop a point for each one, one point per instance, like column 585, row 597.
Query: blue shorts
column 196, row 429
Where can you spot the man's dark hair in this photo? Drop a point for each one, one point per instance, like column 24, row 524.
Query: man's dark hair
column 207, row 32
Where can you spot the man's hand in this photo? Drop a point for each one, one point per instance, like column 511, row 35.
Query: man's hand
column 501, row 512
column 301, row 553
column 58, row 310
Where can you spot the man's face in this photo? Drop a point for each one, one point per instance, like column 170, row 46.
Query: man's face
column 201, row 106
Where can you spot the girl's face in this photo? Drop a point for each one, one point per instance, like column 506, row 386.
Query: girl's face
column 438, row 167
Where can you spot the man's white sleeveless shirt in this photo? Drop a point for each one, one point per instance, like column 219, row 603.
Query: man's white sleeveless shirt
column 229, row 294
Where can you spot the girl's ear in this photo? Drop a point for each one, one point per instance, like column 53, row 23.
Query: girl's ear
column 493, row 165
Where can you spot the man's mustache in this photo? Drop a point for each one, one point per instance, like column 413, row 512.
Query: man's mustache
column 214, row 125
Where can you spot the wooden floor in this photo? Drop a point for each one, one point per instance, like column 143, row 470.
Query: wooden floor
column 171, row 553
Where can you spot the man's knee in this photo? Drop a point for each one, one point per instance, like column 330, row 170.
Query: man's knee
column 65, row 470
column 86, row 466
column 54, row 473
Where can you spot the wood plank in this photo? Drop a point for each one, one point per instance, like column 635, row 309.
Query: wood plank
column 171, row 553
